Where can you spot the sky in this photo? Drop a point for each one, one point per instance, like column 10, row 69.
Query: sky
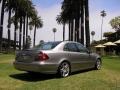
column 49, row 9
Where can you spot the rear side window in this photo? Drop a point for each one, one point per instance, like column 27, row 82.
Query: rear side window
column 70, row 47
column 47, row 46
column 81, row 48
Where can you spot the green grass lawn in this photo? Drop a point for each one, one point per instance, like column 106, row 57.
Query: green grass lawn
column 108, row 78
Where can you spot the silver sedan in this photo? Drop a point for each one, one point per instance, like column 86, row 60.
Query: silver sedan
column 57, row 57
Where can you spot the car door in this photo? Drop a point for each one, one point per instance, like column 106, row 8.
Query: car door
column 72, row 55
column 84, row 59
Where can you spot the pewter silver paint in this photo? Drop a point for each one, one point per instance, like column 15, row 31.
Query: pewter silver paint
column 78, row 61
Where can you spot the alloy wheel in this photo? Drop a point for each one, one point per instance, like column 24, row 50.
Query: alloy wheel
column 64, row 69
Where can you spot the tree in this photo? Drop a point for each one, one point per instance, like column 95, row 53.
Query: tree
column 67, row 16
column 29, row 14
column 28, row 44
column 103, row 14
column 107, row 34
column 1, row 22
column 27, row 11
column 9, row 8
column 54, row 31
column 115, row 23
column 60, row 20
column 92, row 33
column 37, row 23
column 87, row 29
column 76, row 15
column 15, row 21
column 82, row 22
column 24, row 9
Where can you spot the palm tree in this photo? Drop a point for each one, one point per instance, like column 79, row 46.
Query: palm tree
column 77, row 19
column 15, row 19
column 54, row 31
column 92, row 33
column 74, row 11
column 25, row 8
column 37, row 23
column 23, row 11
column 103, row 14
column 19, row 12
column 9, row 8
column 82, row 22
column 1, row 22
column 29, row 14
column 87, row 30
column 61, row 21
column 66, row 16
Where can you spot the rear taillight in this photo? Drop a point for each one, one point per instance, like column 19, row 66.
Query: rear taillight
column 42, row 56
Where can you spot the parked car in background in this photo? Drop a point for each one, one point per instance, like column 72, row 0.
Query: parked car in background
column 57, row 57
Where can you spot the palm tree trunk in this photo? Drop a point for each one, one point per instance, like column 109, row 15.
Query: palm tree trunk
column 78, row 37
column 69, row 31
column 1, row 23
column 26, row 30
column 72, row 24
column 87, row 24
column 75, row 30
column 64, row 32
column 15, row 37
column 20, row 33
column 82, row 22
column 77, row 21
column 9, row 26
column 77, row 27
column 34, row 37
column 24, row 33
column 15, row 24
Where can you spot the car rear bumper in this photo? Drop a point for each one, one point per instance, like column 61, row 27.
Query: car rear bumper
column 36, row 67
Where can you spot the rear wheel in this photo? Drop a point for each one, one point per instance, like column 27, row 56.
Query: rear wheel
column 98, row 64
column 64, row 69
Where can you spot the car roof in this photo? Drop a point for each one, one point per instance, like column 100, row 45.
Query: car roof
column 66, row 41
column 60, row 46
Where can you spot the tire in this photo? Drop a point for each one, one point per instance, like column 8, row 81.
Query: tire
column 98, row 64
column 64, row 69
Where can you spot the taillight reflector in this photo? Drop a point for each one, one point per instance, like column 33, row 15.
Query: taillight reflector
column 43, row 56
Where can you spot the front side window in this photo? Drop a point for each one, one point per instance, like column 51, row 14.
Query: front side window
column 70, row 47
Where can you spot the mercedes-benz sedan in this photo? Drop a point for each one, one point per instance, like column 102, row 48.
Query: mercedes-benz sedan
column 57, row 57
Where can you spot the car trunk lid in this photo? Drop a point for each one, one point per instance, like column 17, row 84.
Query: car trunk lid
column 26, row 56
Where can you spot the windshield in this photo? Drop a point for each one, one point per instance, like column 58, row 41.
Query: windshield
column 46, row 46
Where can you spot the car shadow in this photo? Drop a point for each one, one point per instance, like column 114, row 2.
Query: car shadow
column 33, row 77
column 41, row 77
column 82, row 71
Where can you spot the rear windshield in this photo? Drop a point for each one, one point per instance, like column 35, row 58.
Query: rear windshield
column 46, row 46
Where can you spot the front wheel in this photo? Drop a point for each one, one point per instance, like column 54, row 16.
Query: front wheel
column 98, row 64
column 64, row 69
